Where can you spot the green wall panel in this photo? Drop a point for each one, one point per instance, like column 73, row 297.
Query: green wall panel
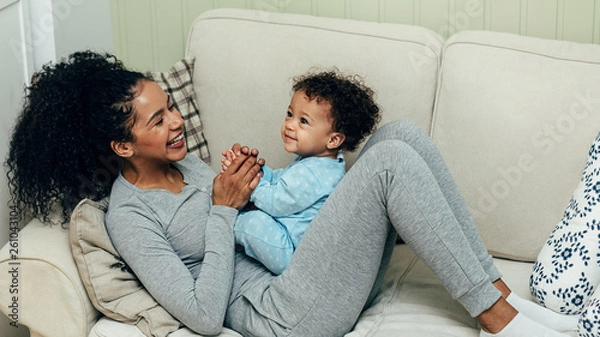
column 363, row 10
column 398, row 12
column 578, row 21
column 299, row 7
column 331, row 8
column 541, row 18
column 504, row 16
column 151, row 34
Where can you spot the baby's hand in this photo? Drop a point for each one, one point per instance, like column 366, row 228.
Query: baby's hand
column 228, row 157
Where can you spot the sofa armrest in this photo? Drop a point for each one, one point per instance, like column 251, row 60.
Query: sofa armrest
column 41, row 288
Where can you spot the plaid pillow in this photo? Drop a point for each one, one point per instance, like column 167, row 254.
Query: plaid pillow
column 177, row 82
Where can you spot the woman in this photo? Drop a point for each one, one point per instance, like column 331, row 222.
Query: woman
column 171, row 218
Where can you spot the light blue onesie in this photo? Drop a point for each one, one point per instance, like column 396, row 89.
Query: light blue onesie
column 287, row 200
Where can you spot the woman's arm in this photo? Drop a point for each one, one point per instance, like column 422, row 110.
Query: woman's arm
column 198, row 303
column 182, row 249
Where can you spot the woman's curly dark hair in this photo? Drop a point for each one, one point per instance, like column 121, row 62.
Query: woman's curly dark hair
column 353, row 108
column 60, row 147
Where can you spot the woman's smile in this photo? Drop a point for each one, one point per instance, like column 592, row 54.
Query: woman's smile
column 176, row 142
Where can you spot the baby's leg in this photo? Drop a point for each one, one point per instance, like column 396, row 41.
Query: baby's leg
column 264, row 239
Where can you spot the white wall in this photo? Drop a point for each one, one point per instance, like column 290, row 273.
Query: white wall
column 60, row 27
column 82, row 24
column 33, row 33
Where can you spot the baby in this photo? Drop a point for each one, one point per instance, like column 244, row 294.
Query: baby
column 328, row 113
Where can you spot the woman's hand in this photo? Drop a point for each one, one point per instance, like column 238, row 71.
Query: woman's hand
column 233, row 186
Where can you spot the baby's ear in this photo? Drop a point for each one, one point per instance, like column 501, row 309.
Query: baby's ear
column 336, row 140
column 122, row 149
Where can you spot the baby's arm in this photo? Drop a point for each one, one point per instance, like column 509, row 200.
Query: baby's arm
column 285, row 192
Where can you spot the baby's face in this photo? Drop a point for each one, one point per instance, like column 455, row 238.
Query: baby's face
column 307, row 128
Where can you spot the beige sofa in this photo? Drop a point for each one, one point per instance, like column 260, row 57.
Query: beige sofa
column 513, row 117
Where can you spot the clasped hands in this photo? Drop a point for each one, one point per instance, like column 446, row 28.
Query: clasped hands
column 240, row 175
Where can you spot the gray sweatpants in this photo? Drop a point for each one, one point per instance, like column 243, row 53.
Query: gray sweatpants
column 399, row 183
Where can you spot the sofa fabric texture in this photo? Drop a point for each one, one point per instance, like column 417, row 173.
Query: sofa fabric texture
column 513, row 117
column 246, row 61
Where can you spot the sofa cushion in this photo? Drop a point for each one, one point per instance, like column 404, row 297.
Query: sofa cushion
column 106, row 327
column 177, row 81
column 412, row 302
column 113, row 289
column 51, row 298
column 246, row 60
column 513, row 119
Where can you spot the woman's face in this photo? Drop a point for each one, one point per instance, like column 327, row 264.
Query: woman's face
column 158, row 129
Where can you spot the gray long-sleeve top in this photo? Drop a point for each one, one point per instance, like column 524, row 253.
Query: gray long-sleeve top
column 178, row 245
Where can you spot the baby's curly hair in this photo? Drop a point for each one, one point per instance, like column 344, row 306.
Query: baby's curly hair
column 60, row 147
column 353, row 108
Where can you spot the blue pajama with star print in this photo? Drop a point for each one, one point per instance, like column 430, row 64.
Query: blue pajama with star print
column 286, row 200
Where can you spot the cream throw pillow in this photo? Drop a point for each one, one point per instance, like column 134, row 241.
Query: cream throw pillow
column 112, row 288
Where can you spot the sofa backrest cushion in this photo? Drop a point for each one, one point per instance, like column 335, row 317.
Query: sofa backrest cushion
column 514, row 119
column 246, row 60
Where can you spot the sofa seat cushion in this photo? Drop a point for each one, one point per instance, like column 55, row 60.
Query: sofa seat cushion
column 413, row 303
column 106, row 327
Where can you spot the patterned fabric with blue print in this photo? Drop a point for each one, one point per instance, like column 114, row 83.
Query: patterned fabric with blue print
column 566, row 275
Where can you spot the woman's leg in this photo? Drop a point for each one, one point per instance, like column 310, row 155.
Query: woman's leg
column 337, row 262
column 331, row 275
column 419, row 141
column 414, row 136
